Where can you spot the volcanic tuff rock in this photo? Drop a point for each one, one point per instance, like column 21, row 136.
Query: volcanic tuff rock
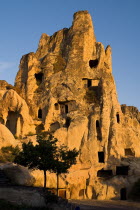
column 67, row 88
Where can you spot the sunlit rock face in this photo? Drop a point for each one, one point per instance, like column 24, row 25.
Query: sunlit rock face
column 67, row 88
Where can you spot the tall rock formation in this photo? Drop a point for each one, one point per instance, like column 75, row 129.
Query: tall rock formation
column 67, row 88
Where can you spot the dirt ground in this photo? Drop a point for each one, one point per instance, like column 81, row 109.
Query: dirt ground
column 104, row 205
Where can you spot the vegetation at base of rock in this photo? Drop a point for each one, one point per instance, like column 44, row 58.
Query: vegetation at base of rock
column 46, row 155
column 6, row 205
column 59, row 65
column 8, row 154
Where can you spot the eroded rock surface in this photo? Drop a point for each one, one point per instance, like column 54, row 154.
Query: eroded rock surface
column 67, row 88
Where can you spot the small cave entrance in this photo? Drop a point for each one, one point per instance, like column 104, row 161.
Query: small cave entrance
column 56, row 106
column 123, row 194
column 93, row 63
column 67, row 123
column 39, row 78
column 122, row 170
column 104, row 173
column 89, row 83
column 98, row 130
column 66, row 108
column 118, row 118
column 11, row 122
column 129, row 152
column 101, row 157
column 40, row 113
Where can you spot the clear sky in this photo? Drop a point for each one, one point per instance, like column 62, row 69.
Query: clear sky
column 116, row 22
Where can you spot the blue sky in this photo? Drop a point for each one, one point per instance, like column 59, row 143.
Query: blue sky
column 116, row 22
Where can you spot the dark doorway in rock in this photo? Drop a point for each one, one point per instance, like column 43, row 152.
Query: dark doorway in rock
column 118, row 118
column 122, row 170
column 11, row 122
column 101, row 157
column 104, row 173
column 40, row 113
column 93, row 63
column 89, row 82
column 39, row 78
column 56, row 105
column 98, row 130
column 123, row 194
column 66, row 108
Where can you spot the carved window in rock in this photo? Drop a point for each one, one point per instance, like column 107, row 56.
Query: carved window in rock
column 93, row 63
column 123, row 194
column 101, row 157
column 39, row 78
column 64, row 108
column 118, row 118
column 40, row 113
column 122, row 170
column 98, row 130
column 129, row 152
column 89, row 83
column 56, row 105
column 104, row 173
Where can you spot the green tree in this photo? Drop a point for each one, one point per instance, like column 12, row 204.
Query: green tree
column 8, row 153
column 39, row 156
column 46, row 155
column 64, row 158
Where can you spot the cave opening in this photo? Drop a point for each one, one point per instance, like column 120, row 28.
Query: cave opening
column 122, row 170
column 93, row 63
column 39, row 78
column 104, row 173
column 89, row 82
column 98, row 130
column 123, row 194
column 118, row 118
column 40, row 113
column 101, row 157
column 56, row 105
column 66, row 108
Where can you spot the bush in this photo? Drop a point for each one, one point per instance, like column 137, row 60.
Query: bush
column 8, row 154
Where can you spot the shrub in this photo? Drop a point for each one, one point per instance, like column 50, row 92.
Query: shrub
column 7, row 154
